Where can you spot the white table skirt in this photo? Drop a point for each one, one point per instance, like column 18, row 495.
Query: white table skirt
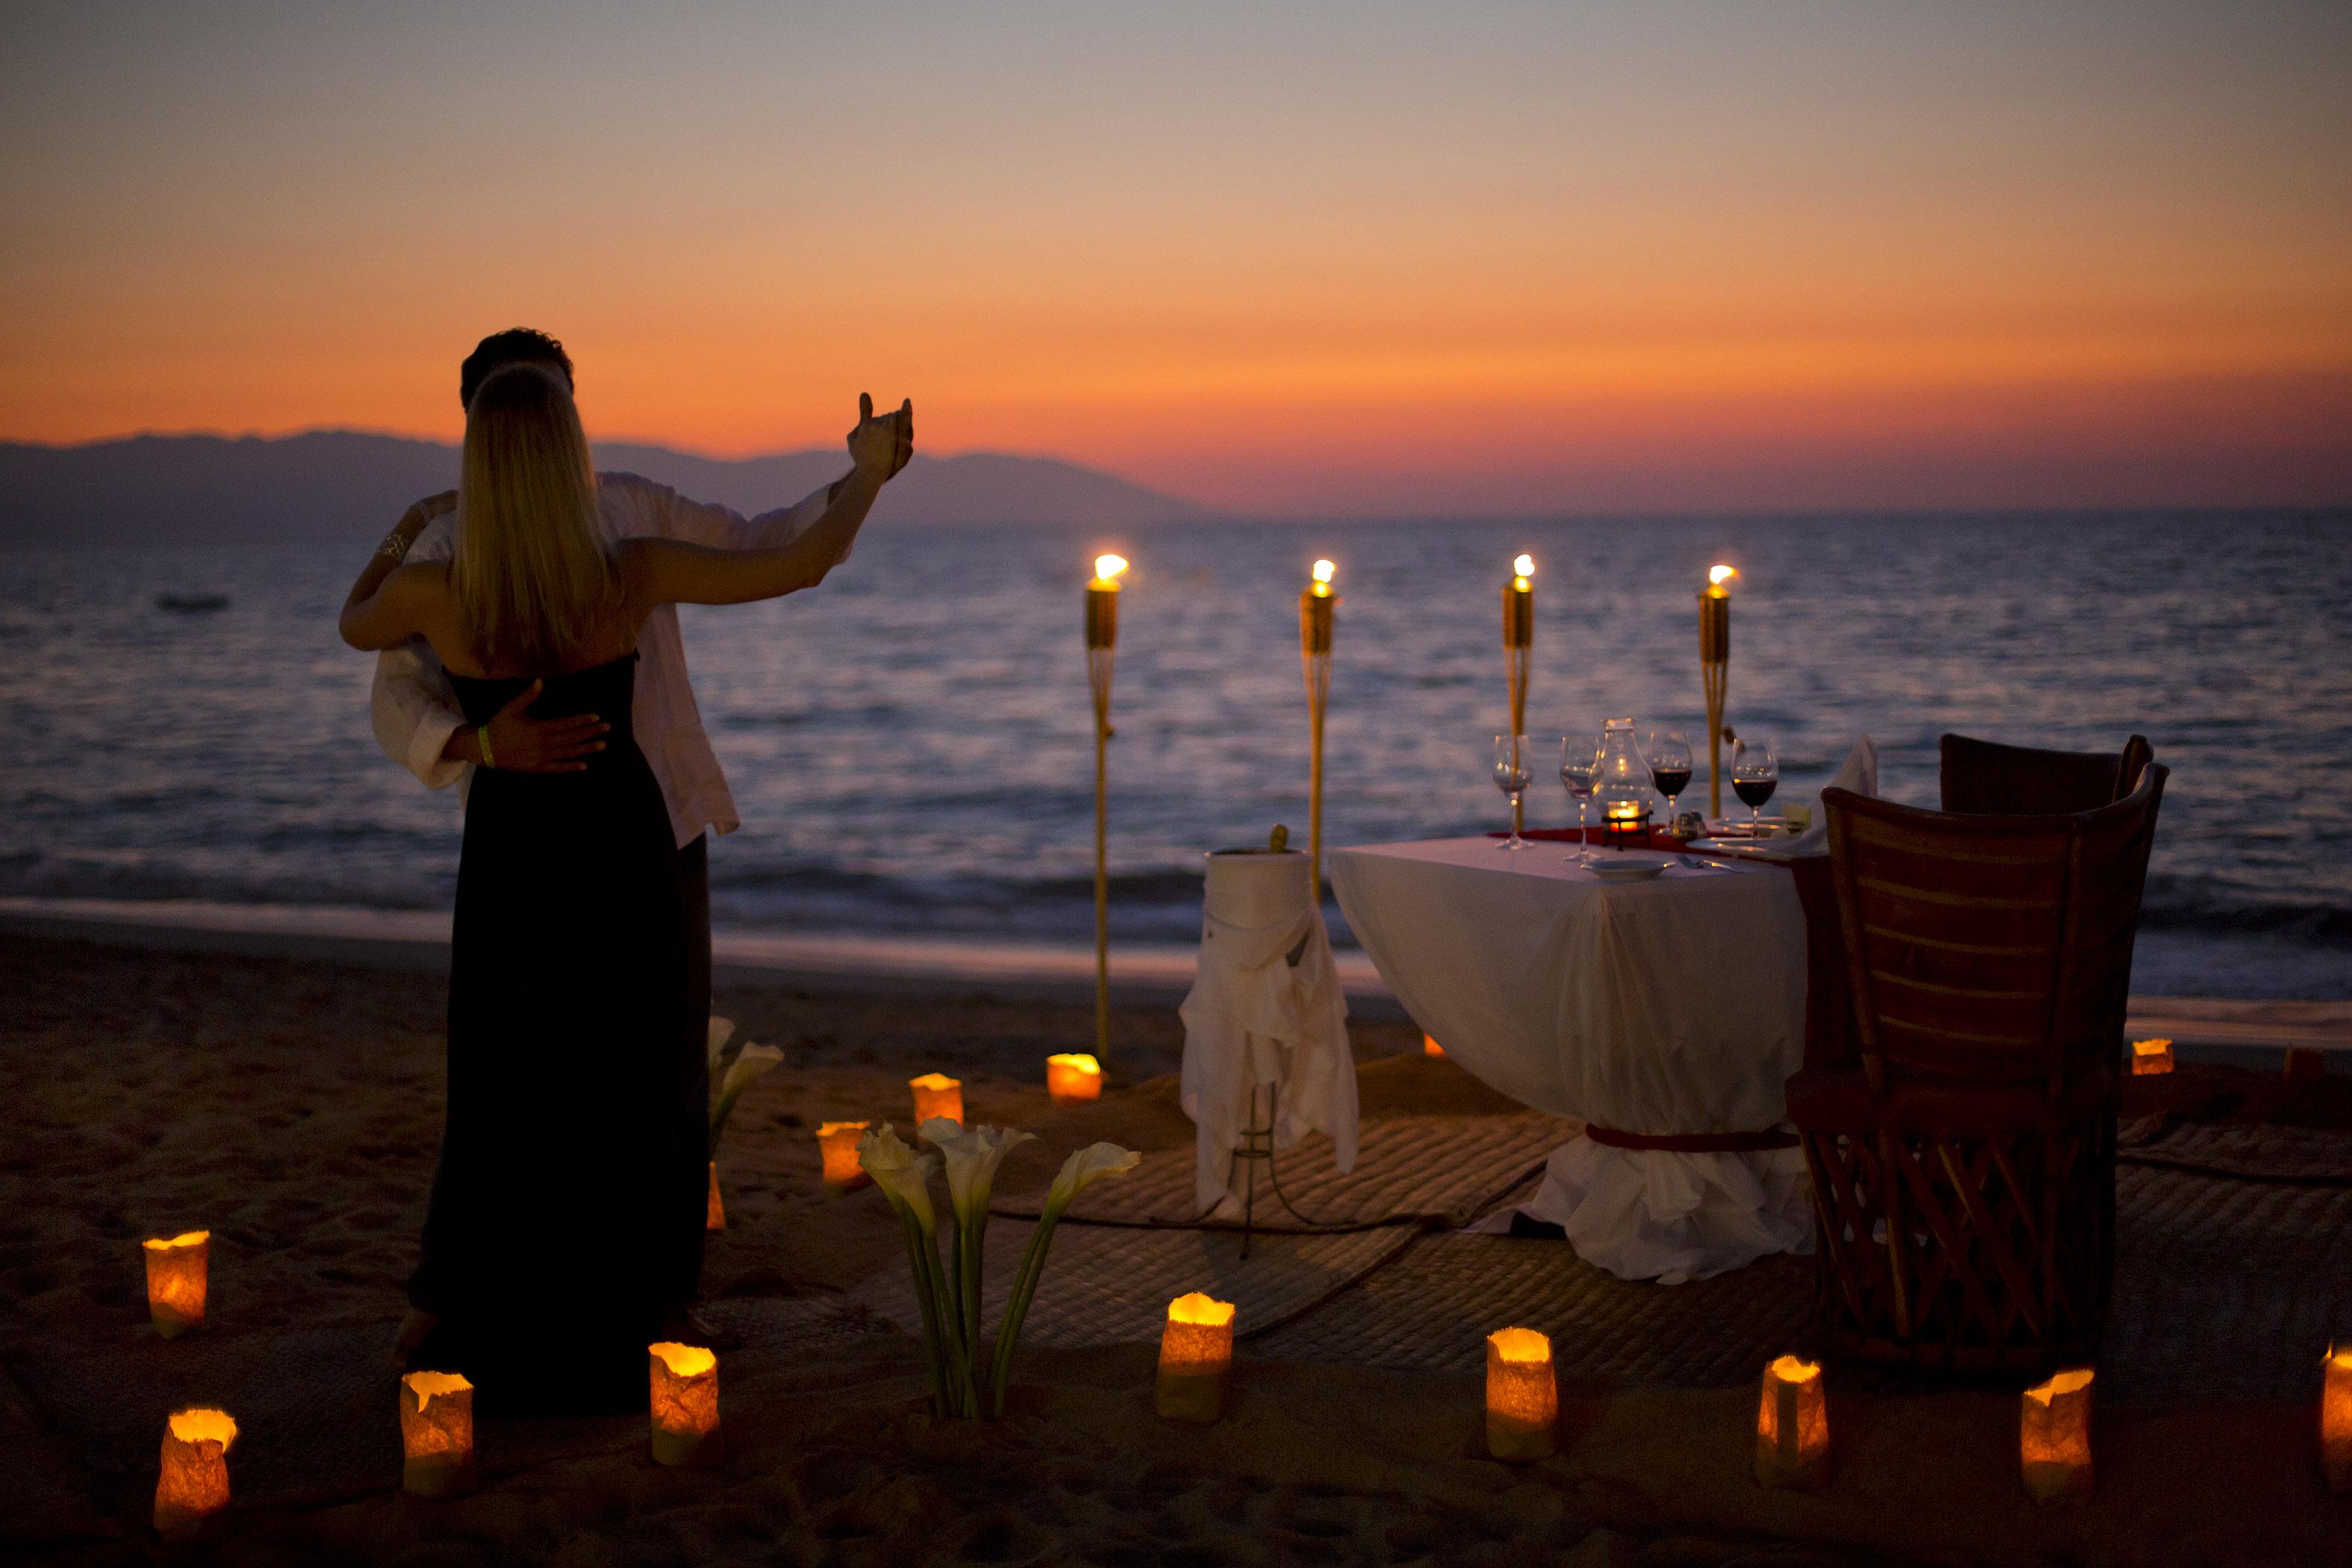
column 1675, row 1005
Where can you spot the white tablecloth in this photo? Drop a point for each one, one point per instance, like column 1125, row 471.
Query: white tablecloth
column 1675, row 1005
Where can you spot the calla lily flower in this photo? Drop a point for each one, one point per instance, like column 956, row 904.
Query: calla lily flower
column 903, row 1175
column 972, row 1155
column 1085, row 1168
column 751, row 1064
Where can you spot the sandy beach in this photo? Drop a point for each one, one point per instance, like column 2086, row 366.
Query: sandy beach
column 294, row 1108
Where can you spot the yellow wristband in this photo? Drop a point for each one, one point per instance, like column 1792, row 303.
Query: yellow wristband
column 482, row 739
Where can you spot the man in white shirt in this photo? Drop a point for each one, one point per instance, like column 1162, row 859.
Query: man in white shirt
column 417, row 718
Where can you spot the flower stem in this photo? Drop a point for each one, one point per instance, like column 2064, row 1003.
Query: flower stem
column 916, row 1248
column 1016, row 1306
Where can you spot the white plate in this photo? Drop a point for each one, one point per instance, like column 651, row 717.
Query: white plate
column 1629, row 867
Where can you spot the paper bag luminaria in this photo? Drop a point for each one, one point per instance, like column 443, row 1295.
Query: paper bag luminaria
column 193, row 1486
column 2055, row 1437
column 684, row 1408
column 936, row 1094
column 1792, row 1427
column 1522, row 1396
column 1196, row 1359
column 437, row 1434
column 1073, row 1078
column 176, row 1271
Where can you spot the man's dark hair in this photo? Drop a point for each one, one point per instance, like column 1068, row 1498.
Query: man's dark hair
column 516, row 345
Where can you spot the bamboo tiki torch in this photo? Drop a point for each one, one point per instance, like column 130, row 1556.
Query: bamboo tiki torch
column 1315, row 607
column 1715, row 671
column 1102, row 642
column 1518, row 641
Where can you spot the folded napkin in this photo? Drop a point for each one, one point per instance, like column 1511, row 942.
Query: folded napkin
column 1859, row 775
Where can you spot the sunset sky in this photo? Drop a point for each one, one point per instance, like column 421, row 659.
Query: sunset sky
column 1292, row 258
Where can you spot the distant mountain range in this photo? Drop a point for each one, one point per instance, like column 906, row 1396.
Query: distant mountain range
column 344, row 484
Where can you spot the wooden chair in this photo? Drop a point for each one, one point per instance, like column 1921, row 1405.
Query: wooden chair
column 1964, row 1173
column 1985, row 778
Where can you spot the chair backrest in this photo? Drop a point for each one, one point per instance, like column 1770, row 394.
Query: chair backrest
column 1986, row 778
column 1990, row 949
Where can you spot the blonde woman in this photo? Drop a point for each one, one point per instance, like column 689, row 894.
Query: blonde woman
column 571, row 1176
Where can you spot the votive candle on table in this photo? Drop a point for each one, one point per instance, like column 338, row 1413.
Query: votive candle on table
column 685, row 1403
column 1073, row 1078
column 1792, row 1425
column 936, row 1094
column 192, row 1487
column 437, row 1434
column 2150, row 1057
column 1196, row 1359
column 836, row 1146
column 176, row 1271
column 2055, row 1437
column 1522, row 1395
column 2335, row 1421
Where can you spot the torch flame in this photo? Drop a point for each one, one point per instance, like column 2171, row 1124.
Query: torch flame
column 1717, row 576
column 1323, row 570
column 1523, row 566
column 1109, row 566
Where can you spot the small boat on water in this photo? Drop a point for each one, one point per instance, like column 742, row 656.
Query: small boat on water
column 191, row 603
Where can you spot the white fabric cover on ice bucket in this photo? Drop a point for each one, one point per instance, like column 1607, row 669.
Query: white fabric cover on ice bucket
column 1265, row 1007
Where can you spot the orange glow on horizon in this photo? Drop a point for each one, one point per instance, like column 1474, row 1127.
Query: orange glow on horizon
column 2130, row 286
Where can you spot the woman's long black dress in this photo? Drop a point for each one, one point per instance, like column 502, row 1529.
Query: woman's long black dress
column 570, row 1192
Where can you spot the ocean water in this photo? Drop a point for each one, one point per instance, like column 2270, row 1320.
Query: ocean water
column 908, row 745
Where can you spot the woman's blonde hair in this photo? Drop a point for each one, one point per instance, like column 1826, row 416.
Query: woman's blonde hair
column 534, row 569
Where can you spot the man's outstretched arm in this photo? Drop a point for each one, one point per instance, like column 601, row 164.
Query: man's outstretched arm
column 839, row 508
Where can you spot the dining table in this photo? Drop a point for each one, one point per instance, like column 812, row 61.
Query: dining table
column 1665, row 1014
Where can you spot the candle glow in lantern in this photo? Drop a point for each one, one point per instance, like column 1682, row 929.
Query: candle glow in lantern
column 2150, row 1057
column 176, row 1271
column 1315, row 604
column 685, row 1406
column 2335, row 1421
column 1102, row 647
column 193, row 1486
column 1073, row 1078
column 1196, row 1359
column 1522, row 1395
column 936, row 1094
column 836, row 1147
column 1518, row 646
column 437, row 1434
column 2054, row 1438
column 714, row 1211
column 1792, row 1427
column 1715, row 672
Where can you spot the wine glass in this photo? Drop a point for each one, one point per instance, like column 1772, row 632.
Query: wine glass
column 1669, row 755
column 1579, row 770
column 1755, row 773
column 1511, row 775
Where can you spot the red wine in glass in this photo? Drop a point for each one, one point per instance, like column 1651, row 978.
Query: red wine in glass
column 1752, row 793
column 1670, row 782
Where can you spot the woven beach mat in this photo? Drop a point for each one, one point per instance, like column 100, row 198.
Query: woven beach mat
column 2286, row 1154
column 1433, row 1309
column 1410, row 1170
column 317, row 1409
column 2225, row 1291
column 1107, row 1285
